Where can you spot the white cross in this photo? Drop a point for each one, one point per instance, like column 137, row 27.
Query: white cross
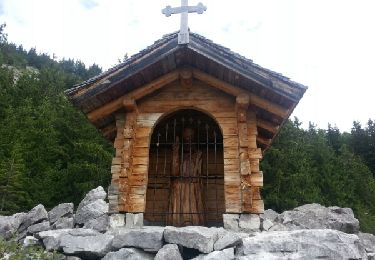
column 183, row 35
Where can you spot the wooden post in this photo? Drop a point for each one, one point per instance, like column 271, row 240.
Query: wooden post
column 117, row 162
column 255, row 154
column 242, row 104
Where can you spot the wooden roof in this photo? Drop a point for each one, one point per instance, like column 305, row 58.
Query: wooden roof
column 276, row 94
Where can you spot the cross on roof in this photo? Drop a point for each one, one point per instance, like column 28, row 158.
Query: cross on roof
column 184, row 9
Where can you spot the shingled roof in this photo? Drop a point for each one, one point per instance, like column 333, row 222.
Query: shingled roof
column 166, row 55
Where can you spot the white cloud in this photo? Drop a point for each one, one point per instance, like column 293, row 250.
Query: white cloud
column 327, row 45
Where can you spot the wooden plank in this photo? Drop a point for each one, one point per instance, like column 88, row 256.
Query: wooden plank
column 256, row 179
column 265, row 141
column 230, row 141
column 230, row 153
column 267, row 126
column 242, row 135
column 254, row 164
column 142, row 142
column 235, row 91
column 143, row 132
column 136, row 94
column 140, row 160
column 232, row 178
column 257, row 206
column 255, row 153
column 141, row 152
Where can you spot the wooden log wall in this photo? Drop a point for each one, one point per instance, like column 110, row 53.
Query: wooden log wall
column 242, row 178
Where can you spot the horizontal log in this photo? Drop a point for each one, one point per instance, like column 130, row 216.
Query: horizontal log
column 257, row 206
column 264, row 141
column 235, row 91
column 267, row 126
column 135, row 95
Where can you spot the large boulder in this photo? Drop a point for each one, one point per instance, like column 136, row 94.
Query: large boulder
column 226, row 254
column 169, row 252
column 368, row 241
column 34, row 216
column 51, row 238
column 315, row 216
column 227, row 239
column 10, row 224
column 147, row 238
column 128, row 253
column 86, row 246
column 64, row 210
column 91, row 196
column 36, row 228
column 91, row 213
column 303, row 244
column 100, row 223
column 201, row 238
column 63, row 223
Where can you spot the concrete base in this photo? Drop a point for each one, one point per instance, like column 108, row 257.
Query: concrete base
column 116, row 220
column 242, row 222
column 133, row 220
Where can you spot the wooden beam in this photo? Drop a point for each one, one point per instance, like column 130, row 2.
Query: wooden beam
column 186, row 77
column 108, row 130
column 135, row 95
column 235, row 91
column 129, row 104
column 264, row 141
column 267, row 126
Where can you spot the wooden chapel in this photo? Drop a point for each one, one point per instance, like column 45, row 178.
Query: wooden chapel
column 189, row 124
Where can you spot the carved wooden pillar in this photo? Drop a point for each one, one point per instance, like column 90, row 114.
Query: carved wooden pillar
column 242, row 103
column 113, row 192
column 255, row 155
column 127, row 155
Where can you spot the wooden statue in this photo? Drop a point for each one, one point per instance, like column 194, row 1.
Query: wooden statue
column 186, row 187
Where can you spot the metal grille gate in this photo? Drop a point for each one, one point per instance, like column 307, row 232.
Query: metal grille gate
column 186, row 171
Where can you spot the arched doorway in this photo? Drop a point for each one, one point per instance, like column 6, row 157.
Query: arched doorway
column 186, row 171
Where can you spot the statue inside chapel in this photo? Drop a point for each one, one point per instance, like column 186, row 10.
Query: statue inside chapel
column 186, row 200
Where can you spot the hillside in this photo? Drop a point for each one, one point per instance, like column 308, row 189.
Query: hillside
column 49, row 153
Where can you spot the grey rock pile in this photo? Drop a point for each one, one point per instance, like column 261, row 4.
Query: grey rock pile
column 308, row 232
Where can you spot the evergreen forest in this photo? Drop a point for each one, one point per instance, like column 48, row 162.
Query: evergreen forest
column 50, row 153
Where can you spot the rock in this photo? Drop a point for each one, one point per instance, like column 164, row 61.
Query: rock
column 201, row 238
column 267, row 224
column 35, row 215
column 169, row 252
column 70, row 257
column 91, row 211
column 63, row 223
column 134, row 220
column 91, row 196
column 128, row 253
column 270, row 215
column 30, row 241
column 116, row 220
column 225, row 254
column 85, row 246
column 368, row 241
column 147, row 238
column 100, row 224
column 51, row 238
column 62, row 210
column 249, row 222
column 315, row 216
column 228, row 239
column 306, row 244
column 10, row 224
column 42, row 226
column 231, row 221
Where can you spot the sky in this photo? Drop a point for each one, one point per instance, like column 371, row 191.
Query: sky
column 327, row 45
